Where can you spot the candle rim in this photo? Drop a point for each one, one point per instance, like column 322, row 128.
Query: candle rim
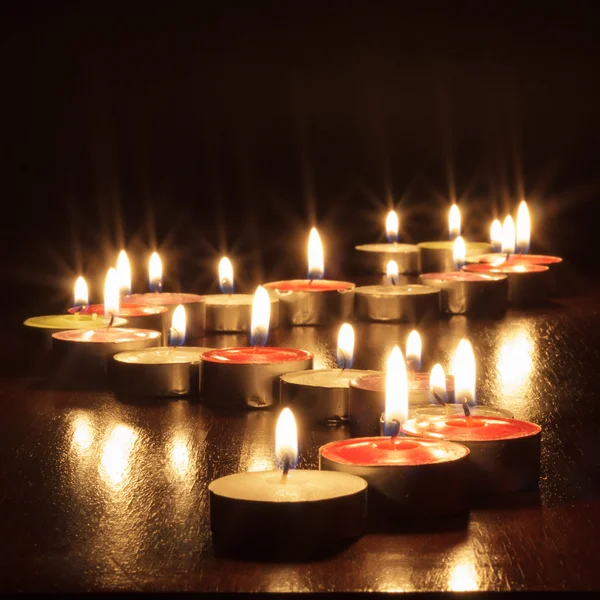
column 70, row 335
column 299, row 355
column 343, row 286
column 128, row 309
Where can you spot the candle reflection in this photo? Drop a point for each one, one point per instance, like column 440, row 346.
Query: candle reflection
column 180, row 456
column 114, row 465
column 83, row 434
column 514, row 364
column 463, row 577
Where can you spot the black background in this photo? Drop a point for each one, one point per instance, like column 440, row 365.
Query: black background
column 237, row 126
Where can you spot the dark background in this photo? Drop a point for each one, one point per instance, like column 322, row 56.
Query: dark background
column 235, row 128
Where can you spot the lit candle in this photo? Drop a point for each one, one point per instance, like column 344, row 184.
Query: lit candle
column 297, row 505
column 81, row 296
column 314, row 301
column 392, row 302
column 321, row 395
column 504, row 452
column 195, row 305
column 438, row 257
column 165, row 371
column 248, row 377
column 407, row 477
column 496, row 235
column 374, row 258
column 124, row 273
column 229, row 312
column 468, row 293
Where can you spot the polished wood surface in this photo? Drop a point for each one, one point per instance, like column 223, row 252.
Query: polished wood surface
column 98, row 494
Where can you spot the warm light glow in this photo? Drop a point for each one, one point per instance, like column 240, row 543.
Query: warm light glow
column 345, row 346
column 396, row 388
column 261, row 315
column 514, row 365
column 523, row 228
column 81, row 292
column 392, row 272
column 463, row 369
column 454, row 222
column 392, row 226
column 114, row 464
column 178, row 327
column 155, row 272
column 437, row 381
column 124, row 273
column 316, row 266
column 226, row 276
column 413, row 350
column 180, row 456
column 496, row 235
column 463, row 577
column 83, row 434
column 508, row 236
column 459, row 253
column 111, row 293
column 286, row 438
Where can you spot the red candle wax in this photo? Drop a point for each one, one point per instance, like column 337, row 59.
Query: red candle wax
column 105, row 335
column 164, row 298
column 461, row 276
column 377, row 451
column 520, row 268
column 125, row 310
column 310, row 285
column 256, row 355
column 417, row 382
column 475, row 429
column 519, row 259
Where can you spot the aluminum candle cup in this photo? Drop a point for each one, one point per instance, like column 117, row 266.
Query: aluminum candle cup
column 318, row 396
column 262, row 513
column 504, row 453
column 473, row 294
column 243, row 378
column 375, row 257
column 456, row 410
column 406, row 303
column 313, row 301
column 157, row 372
column 139, row 316
column 366, row 400
column 82, row 356
column 438, row 257
column 408, row 478
column 195, row 309
column 233, row 312
column 527, row 284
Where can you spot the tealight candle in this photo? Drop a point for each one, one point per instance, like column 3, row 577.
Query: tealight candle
column 504, row 453
column 248, row 377
column 314, row 301
column 375, row 257
column 407, row 478
column 405, row 303
column 195, row 304
column 137, row 315
column 229, row 312
column 321, row 395
column 166, row 371
column 476, row 295
column 437, row 257
column 288, row 511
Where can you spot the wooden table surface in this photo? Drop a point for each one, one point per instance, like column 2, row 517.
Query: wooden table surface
column 96, row 494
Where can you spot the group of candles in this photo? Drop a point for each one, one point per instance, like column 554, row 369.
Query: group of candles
column 424, row 463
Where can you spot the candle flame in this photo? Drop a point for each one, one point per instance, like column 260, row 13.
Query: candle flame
column 286, row 438
column 81, row 292
column 463, row 369
column 496, row 235
column 124, row 273
column 454, row 221
column 437, row 381
column 459, row 252
column 316, row 268
column 413, row 349
column 226, row 276
column 345, row 346
column 396, row 388
column 392, row 226
column 261, row 315
column 155, row 272
column 392, row 272
column 178, row 327
column 508, row 236
column 523, row 228
column 111, row 293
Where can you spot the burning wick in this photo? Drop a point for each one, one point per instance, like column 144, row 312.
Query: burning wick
column 412, row 366
column 286, row 467
column 437, row 397
column 391, row 428
column 112, row 320
column 467, row 412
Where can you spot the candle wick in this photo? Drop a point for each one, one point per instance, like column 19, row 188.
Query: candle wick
column 438, row 397
column 255, row 349
column 394, row 434
column 467, row 412
column 112, row 320
column 311, row 280
column 286, row 468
